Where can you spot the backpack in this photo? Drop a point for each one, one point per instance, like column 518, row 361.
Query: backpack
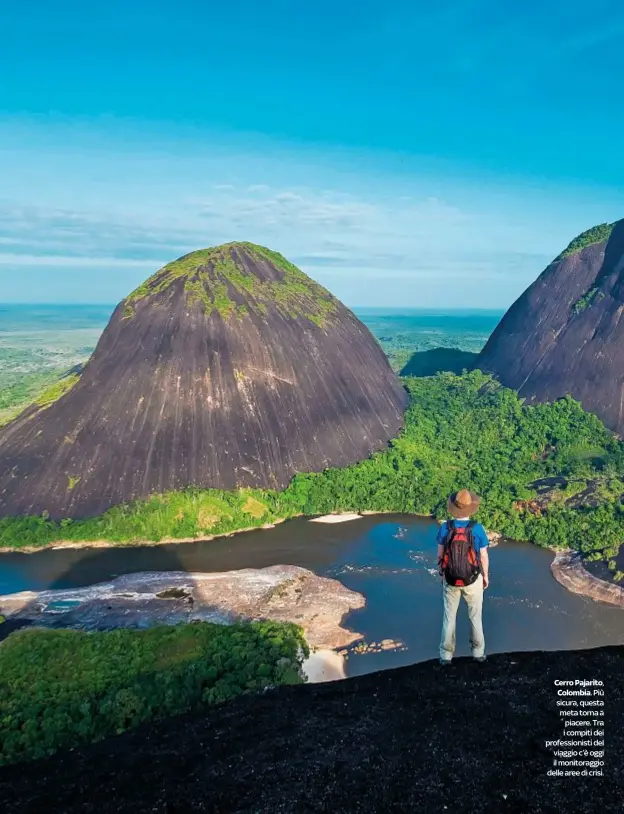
column 460, row 563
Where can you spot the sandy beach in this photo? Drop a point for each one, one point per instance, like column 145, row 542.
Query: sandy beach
column 336, row 518
column 324, row 665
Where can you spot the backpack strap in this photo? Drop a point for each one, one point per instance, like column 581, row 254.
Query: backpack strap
column 470, row 536
column 450, row 530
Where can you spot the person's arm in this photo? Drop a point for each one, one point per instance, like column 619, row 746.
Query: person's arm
column 485, row 566
column 440, row 540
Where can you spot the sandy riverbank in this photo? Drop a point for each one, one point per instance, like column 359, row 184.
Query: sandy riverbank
column 345, row 517
column 324, row 665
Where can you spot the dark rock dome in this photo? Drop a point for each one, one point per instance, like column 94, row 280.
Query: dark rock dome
column 565, row 334
column 227, row 368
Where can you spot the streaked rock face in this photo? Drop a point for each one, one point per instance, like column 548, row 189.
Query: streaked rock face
column 228, row 368
column 565, row 334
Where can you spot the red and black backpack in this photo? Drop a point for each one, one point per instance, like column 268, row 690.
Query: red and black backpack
column 459, row 563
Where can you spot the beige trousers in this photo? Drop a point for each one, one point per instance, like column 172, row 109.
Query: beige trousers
column 473, row 595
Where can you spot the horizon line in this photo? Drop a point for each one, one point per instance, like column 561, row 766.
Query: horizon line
column 378, row 308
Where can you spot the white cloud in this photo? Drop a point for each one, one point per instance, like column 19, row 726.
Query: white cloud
column 302, row 218
column 371, row 236
column 348, row 242
column 66, row 261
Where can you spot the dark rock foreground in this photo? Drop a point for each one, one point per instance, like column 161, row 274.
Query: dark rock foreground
column 228, row 368
column 469, row 738
column 565, row 334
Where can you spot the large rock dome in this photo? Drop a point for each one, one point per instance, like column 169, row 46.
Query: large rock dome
column 565, row 334
column 227, row 368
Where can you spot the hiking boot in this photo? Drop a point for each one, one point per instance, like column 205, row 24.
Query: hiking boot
column 445, row 662
column 480, row 659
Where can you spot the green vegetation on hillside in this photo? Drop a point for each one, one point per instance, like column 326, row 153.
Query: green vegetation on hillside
column 40, row 388
column 61, row 688
column 57, row 389
column 213, row 277
column 460, row 431
column 594, row 235
column 585, row 301
column 18, row 390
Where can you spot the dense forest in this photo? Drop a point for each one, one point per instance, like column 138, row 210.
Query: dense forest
column 461, row 430
column 61, row 688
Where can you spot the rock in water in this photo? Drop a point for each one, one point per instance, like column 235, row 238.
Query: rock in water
column 227, row 368
column 565, row 334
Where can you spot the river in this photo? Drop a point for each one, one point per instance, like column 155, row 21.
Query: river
column 390, row 559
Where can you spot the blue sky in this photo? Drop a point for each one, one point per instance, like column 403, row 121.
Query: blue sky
column 403, row 154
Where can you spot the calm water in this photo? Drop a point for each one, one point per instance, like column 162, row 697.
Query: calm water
column 386, row 558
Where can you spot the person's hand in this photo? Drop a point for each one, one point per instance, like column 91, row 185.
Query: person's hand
column 486, row 582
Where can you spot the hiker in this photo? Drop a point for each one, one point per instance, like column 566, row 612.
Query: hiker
column 463, row 565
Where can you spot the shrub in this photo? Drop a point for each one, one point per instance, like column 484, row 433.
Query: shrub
column 588, row 238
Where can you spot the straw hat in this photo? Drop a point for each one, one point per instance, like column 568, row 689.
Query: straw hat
column 463, row 503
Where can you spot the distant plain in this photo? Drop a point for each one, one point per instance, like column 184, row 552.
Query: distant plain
column 40, row 342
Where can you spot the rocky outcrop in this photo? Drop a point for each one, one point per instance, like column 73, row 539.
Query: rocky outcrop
column 228, row 368
column 567, row 568
column 284, row 593
column 494, row 537
column 565, row 334
column 469, row 739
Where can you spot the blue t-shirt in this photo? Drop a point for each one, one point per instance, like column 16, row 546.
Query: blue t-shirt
column 478, row 534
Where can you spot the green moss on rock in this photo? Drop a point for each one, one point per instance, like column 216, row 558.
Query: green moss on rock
column 597, row 234
column 586, row 300
column 218, row 279
column 56, row 390
column 44, row 398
